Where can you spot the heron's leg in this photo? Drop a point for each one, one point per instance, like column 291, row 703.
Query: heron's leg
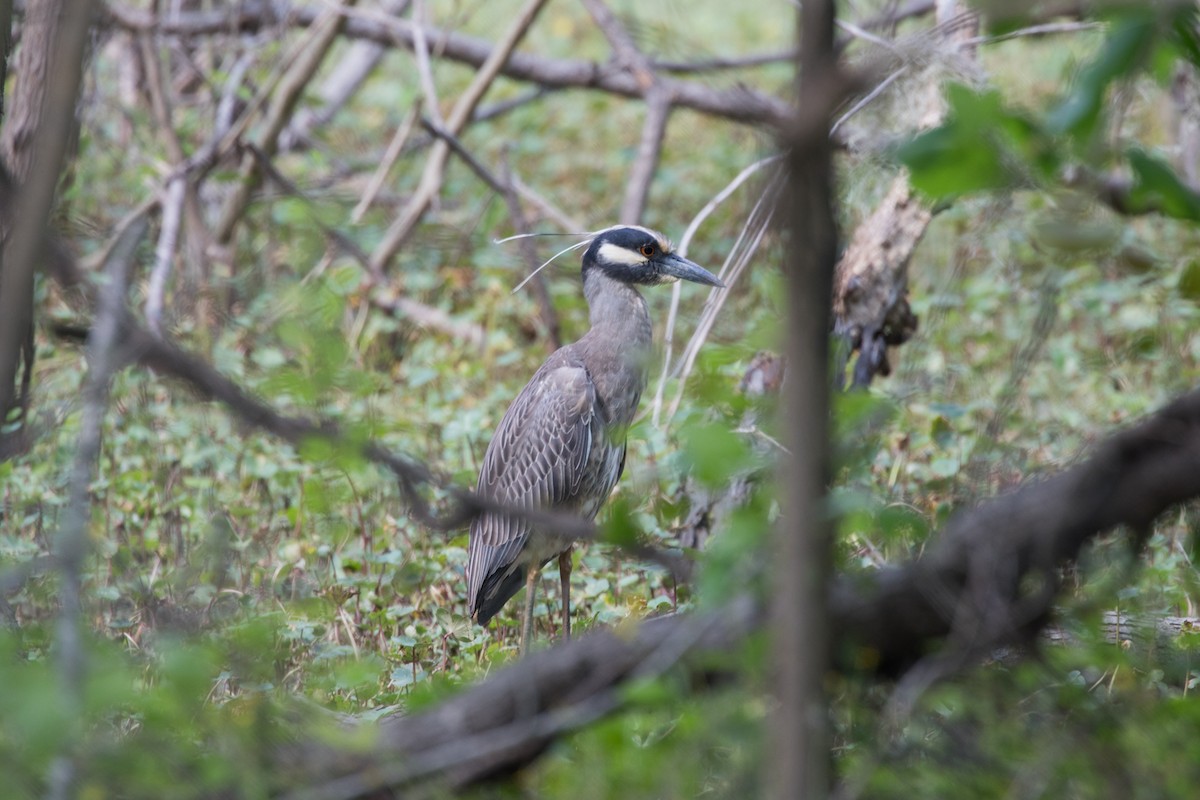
column 564, row 575
column 531, row 577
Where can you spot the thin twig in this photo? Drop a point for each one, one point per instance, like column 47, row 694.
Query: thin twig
column 684, row 243
column 626, row 52
column 340, row 85
column 223, row 135
column 658, row 110
column 164, row 251
column 861, row 33
column 645, row 164
column 864, row 101
column 719, row 63
column 394, row 148
column 431, row 178
column 71, row 542
column 383, row 297
column 426, row 316
column 459, row 149
column 196, row 165
column 1035, row 30
column 740, row 104
column 308, row 57
column 180, row 196
column 424, row 69
column 561, row 218
column 517, row 215
column 739, row 257
column 712, row 307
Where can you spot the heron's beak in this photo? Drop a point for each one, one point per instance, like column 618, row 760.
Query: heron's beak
column 680, row 267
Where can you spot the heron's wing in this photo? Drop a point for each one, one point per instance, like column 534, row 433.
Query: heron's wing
column 537, row 459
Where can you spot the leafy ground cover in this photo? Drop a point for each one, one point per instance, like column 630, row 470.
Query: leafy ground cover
column 230, row 569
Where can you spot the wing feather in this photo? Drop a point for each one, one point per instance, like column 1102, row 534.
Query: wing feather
column 537, row 458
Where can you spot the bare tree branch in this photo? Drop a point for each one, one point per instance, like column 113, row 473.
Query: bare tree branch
column 424, row 68
column 394, row 149
column 164, row 252
column 501, row 724
column 529, row 253
column 384, row 297
column 180, row 199
column 308, row 58
column 71, row 544
column 459, row 149
column 341, row 84
column 685, row 242
column 649, row 149
column 427, row 316
column 431, row 178
column 739, row 104
column 974, row 573
column 658, row 110
column 879, row 622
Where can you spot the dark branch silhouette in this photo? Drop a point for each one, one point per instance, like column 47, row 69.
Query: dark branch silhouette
column 739, row 104
column 960, row 601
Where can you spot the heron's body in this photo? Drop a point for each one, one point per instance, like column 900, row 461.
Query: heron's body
column 561, row 444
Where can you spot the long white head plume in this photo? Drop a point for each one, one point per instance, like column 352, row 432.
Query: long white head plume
column 666, row 246
column 576, row 246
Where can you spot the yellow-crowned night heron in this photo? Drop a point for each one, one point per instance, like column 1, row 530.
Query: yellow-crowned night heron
column 561, row 444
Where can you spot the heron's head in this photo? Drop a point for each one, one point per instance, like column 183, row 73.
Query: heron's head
column 636, row 255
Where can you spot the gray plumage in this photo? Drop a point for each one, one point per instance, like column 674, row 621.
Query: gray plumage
column 561, row 444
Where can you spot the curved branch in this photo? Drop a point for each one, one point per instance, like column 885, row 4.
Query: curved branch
column 739, row 104
column 972, row 577
column 969, row 581
column 431, row 177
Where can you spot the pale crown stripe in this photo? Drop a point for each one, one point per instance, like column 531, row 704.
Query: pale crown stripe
column 615, row 254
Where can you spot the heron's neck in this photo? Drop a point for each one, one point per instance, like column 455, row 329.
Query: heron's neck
column 617, row 307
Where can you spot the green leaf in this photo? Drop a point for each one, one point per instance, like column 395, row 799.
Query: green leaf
column 1075, row 233
column 715, row 452
column 982, row 145
column 1157, row 188
column 903, row 523
column 1189, row 282
column 344, row 280
column 1126, row 48
column 942, row 432
column 620, row 528
column 944, row 467
column 1186, row 33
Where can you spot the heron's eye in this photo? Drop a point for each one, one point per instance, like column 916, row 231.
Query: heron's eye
column 648, row 250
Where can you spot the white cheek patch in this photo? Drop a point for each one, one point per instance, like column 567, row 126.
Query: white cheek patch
column 615, row 254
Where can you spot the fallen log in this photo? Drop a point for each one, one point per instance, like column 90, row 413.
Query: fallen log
column 988, row 581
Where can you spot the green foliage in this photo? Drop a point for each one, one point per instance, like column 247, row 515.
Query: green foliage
column 1157, row 187
column 232, row 573
column 1131, row 37
column 985, row 144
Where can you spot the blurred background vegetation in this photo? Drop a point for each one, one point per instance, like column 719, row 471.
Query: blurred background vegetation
column 232, row 573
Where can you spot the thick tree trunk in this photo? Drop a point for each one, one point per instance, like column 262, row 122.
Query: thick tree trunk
column 18, row 141
column 798, row 766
